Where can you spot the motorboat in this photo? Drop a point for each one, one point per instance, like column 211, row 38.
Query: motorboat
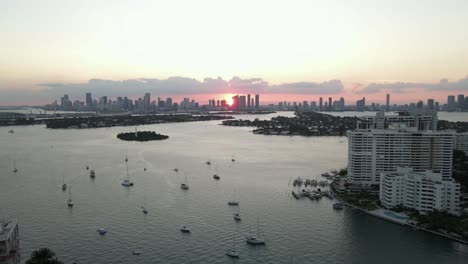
column 208, row 163
column 144, row 210
column 233, row 202
column 338, row 206
column 87, row 167
column 102, row 231
column 11, row 131
column 185, row 229
column 176, row 169
column 216, row 177
column 92, row 174
column 136, row 252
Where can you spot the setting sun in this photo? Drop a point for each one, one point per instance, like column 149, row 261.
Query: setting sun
column 228, row 98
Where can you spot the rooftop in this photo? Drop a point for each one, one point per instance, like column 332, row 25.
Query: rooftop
column 6, row 228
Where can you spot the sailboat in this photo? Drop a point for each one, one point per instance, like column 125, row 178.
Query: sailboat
column 233, row 252
column 216, row 176
column 143, row 208
column 237, row 216
column 64, row 185
column 15, row 170
column 184, row 186
column 70, row 201
column 233, row 201
column 256, row 240
column 127, row 182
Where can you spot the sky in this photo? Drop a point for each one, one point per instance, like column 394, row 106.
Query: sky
column 298, row 50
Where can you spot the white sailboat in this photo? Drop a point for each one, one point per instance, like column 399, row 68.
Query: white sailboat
column 233, row 252
column 127, row 182
column 70, row 201
column 255, row 240
column 15, row 170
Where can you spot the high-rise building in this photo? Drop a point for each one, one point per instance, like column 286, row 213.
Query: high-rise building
column 235, row 102
column 169, row 103
column 361, row 104
column 242, row 102
column 451, row 105
column 387, row 105
column 330, row 106
column 430, row 104
column 461, row 102
column 257, row 101
column 89, row 100
column 371, row 152
column 424, row 191
column 342, row 104
column 248, row 101
column 321, row 104
column 147, row 101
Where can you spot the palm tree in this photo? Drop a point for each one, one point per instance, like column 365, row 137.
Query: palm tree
column 43, row 256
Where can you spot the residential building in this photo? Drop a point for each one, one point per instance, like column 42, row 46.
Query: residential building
column 461, row 142
column 373, row 151
column 9, row 242
column 424, row 191
column 419, row 119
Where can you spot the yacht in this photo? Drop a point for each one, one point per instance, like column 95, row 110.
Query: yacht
column 102, row 231
column 237, row 217
column 184, row 186
column 136, row 252
column 15, row 170
column 233, row 202
column 233, row 252
column 185, row 229
column 64, row 185
column 92, row 174
column 70, row 202
column 127, row 182
column 255, row 240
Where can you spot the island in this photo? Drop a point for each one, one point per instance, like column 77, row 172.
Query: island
column 141, row 136
column 303, row 124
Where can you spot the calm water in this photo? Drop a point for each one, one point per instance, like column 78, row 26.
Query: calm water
column 308, row 231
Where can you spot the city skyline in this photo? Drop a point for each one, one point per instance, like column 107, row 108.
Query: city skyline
column 367, row 47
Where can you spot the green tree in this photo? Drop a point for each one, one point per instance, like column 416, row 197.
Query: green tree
column 43, row 256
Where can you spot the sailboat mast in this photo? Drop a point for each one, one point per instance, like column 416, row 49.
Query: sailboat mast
column 258, row 229
column 126, row 162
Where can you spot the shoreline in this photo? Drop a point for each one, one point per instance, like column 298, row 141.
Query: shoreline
column 402, row 223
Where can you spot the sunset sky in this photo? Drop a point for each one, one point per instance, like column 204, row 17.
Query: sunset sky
column 297, row 50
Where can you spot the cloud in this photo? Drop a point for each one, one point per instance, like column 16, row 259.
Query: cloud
column 330, row 87
column 182, row 85
column 402, row 87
